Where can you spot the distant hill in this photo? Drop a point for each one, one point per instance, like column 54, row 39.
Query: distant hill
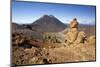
column 88, row 29
column 48, row 23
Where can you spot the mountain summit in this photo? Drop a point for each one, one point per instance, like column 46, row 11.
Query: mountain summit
column 48, row 23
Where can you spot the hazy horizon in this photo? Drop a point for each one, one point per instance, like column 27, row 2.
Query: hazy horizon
column 28, row 12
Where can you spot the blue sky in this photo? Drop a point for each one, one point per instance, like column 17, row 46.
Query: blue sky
column 28, row 12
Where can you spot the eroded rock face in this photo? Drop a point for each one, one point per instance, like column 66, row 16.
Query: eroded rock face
column 17, row 38
column 29, row 56
column 92, row 40
column 73, row 31
column 53, row 37
column 81, row 38
column 49, row 37
column 75, row 36
column 72, row 35
column 27, row 42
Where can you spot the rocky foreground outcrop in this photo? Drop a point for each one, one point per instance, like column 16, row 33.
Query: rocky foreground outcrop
column 72, row 46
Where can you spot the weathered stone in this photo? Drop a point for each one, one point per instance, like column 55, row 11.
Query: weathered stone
column 72, row 36
column 92, row 40
column 52, row 37
column 81, row 38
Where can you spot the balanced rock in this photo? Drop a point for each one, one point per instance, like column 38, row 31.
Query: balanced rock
column 73, row 31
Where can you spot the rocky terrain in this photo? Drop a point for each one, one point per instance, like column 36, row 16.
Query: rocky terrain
column 30, row 46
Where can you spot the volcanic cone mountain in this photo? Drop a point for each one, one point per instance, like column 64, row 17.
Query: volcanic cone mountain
column 48, row 23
